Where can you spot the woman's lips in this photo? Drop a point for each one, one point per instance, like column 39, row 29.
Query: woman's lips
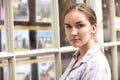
column 74, row 40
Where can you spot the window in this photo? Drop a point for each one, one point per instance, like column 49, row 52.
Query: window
column 32, row 36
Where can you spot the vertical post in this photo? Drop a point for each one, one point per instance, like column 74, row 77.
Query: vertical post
column 9, row 37
column 9, row 25
column 32, row 33
column 113, row 38
column 56, row 37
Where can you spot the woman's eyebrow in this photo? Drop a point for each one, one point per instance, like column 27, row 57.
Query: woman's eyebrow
column 66, row 24
column 79, row 22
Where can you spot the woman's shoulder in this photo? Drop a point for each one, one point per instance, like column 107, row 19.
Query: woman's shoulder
column 99, row 61
column 99, row 65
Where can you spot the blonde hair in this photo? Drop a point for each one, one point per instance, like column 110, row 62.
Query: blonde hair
column 84, row 8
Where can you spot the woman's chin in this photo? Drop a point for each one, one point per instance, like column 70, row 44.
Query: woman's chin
column 75, row 45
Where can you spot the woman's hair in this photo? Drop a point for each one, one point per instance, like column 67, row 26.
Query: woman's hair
column 84, row 8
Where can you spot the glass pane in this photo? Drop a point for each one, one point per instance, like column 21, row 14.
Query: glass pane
column 23, row 72
column 106, row 21
column 3, row 69
column 2, row 11
column 2, row 28
column 32, row 24
column 43, row 11
column 40, row 68
column 63, row 4
column 21, row 15
column 21, row 40
column 21, row 10
column 117, row 18
column 46, row 68
column 43, row 15
column 66, row 58
column 3, row 41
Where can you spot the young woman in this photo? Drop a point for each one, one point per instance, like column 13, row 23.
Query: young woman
column 89, row 62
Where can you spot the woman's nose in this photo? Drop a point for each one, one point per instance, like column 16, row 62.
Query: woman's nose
column 74, row 31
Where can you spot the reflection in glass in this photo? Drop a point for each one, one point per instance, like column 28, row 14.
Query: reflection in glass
column 23, row 72
column 46, row 68
column 21, row 10
column 2, row 11
column 43, row 10
column 117, row 25
column 66, row 58
column 44, row 39
column 3, row 69
column 21, row 40
column 106, row 21
column 2, row 30
column 3, row 41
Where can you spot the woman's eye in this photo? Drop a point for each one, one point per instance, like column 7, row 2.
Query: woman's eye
column 80, row 25
column 67, row 26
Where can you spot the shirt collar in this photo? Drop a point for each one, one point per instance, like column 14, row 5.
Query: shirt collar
column 76, row 54
column 88, row 54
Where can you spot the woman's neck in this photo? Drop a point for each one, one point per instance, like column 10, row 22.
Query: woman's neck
column 86, row 47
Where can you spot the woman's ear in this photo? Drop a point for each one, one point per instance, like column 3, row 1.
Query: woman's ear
column 94, row 28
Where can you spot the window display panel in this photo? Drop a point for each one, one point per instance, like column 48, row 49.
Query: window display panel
column 43, row 11
column 32, row 32
column 23, row 72
column 21, row 10
column 46, row 68
column 21, row 17
column 44, row 39
column 32, row 24
column 21, row 40
column 43, row 15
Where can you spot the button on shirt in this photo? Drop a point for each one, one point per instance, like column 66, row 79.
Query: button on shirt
column 93, row 66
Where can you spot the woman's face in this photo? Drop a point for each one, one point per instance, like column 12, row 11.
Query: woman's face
column 78, row 29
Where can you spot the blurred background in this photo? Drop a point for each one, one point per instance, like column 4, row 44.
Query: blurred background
column 33, row 45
